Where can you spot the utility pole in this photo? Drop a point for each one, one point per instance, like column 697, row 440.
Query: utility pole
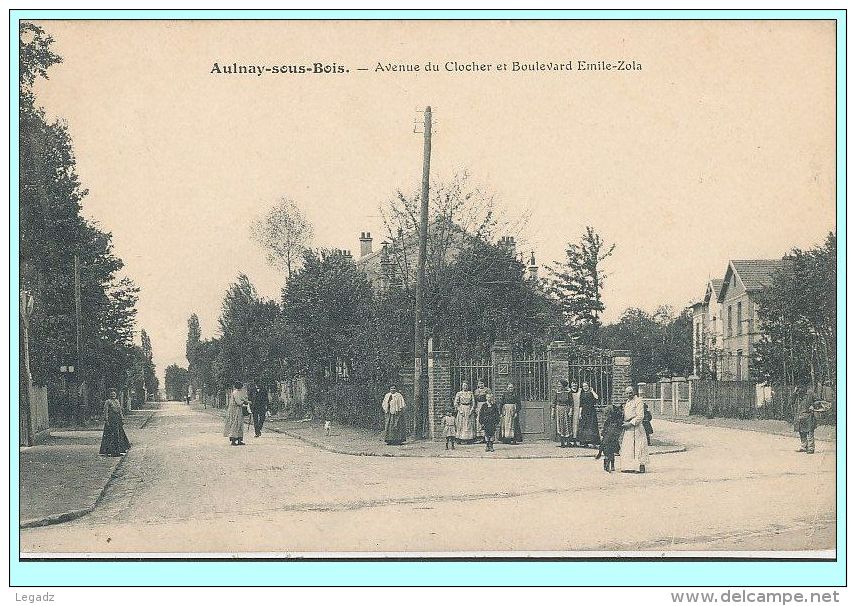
column 78, row 334
column 420, row 380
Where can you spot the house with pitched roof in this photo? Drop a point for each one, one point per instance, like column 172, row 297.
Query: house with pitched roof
column 725, row 321
column 707, row 330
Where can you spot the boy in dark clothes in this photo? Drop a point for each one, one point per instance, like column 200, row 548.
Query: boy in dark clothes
column 489, row 419
column 646, row 424
column 610, row 443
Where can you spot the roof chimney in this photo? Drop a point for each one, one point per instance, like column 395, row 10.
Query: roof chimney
column 365, row 243
column 532, row 268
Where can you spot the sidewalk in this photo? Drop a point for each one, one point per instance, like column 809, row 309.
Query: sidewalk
column 64, row 478
column 363, row 442
column 773, row 426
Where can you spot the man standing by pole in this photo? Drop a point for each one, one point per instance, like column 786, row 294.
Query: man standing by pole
column 420, row 383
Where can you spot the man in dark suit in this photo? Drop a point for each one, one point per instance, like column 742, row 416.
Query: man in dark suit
column 259, row 402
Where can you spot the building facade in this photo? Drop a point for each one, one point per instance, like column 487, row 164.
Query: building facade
column 725, row 321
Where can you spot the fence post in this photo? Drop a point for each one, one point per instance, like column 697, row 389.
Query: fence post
column 620, row 377
column 663, row 382
column 676, row 393
column 558, row 354
column 641, row 388
column 500, row 359
column 439, row 391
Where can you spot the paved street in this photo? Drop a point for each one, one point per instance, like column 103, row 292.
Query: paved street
column 184, row 489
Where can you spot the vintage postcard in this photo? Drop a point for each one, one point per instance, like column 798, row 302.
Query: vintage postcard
column 427, row 288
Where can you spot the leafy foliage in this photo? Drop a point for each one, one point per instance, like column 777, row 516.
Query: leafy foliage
column 176, row 382
column 577, row 284
column 284, row 233
column 797, row 317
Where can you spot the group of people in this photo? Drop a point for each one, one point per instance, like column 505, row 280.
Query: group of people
column 479, row 416
column 245, row 401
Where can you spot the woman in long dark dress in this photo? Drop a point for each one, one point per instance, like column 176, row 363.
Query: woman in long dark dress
column 588, row 433
column 114, row 442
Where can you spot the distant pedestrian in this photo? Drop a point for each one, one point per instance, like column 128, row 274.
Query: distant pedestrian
column 646, row 423
column 610, row 445
column 329, row 416
column 465, row 419
column 489, row 419
column 114, row 442
column 449, row 428
column 634, row 443
column 259, row 402
column 588, row 434
column 508, row 403
column 393, row 417
column 236, row 409
column 806, row 408
column 187, row 399
column 560, row 412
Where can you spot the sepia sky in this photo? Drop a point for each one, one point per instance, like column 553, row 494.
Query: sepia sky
column 721, row 147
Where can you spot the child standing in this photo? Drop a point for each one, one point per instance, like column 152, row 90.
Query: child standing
column 449, row 428
column 610, row 443
column 489, row 419
column 646, row 424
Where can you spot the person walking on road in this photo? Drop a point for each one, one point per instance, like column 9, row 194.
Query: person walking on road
column 806, row 408
column 236, row 408
column 634, row 442
column 259, row 402
column 610, row 445
column 114, row 442
column 393, row 417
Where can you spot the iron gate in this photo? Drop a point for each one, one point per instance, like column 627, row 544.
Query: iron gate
column 531, row 378
column 594, row 368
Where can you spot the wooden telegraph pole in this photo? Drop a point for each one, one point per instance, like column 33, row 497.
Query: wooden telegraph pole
column 420, row 382
column 78, row 336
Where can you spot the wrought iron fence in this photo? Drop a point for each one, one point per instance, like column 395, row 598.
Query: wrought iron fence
column 530, row 376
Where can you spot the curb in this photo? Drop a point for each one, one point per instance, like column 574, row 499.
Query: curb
column 683, row 421
column 67, row 516
column 670, row 449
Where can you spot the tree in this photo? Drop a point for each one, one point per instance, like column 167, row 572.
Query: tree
column 150, row 379
column 191, row 350
column 660, row 344
column 176, row 382
column 578, row 283
column 483, row 296
column 52, row 232
column 284, row 233
column 250, row 346
column 798, row 320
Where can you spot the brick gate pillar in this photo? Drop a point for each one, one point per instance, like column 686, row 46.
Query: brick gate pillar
column 439, row 391
column 620, row 377
column 500, row 358
column 558, row 354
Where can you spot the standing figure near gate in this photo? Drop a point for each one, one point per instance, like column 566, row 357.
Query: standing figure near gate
column 509, row 409
column 634, row 442
column 393, row 417
column 588, row 434
column 465, row 414
column 489, row 419
column 481, row 395
column 560, row 411
column 575, row 414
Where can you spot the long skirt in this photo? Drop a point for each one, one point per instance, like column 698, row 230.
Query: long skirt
column 393, row 428
column 479, row 428
column 588, row 433
column 506, row 423
column 634, row 448
column 563, row 421
column 465, row 423
column 113, row 440
column 574, row 415
column 234, row 426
